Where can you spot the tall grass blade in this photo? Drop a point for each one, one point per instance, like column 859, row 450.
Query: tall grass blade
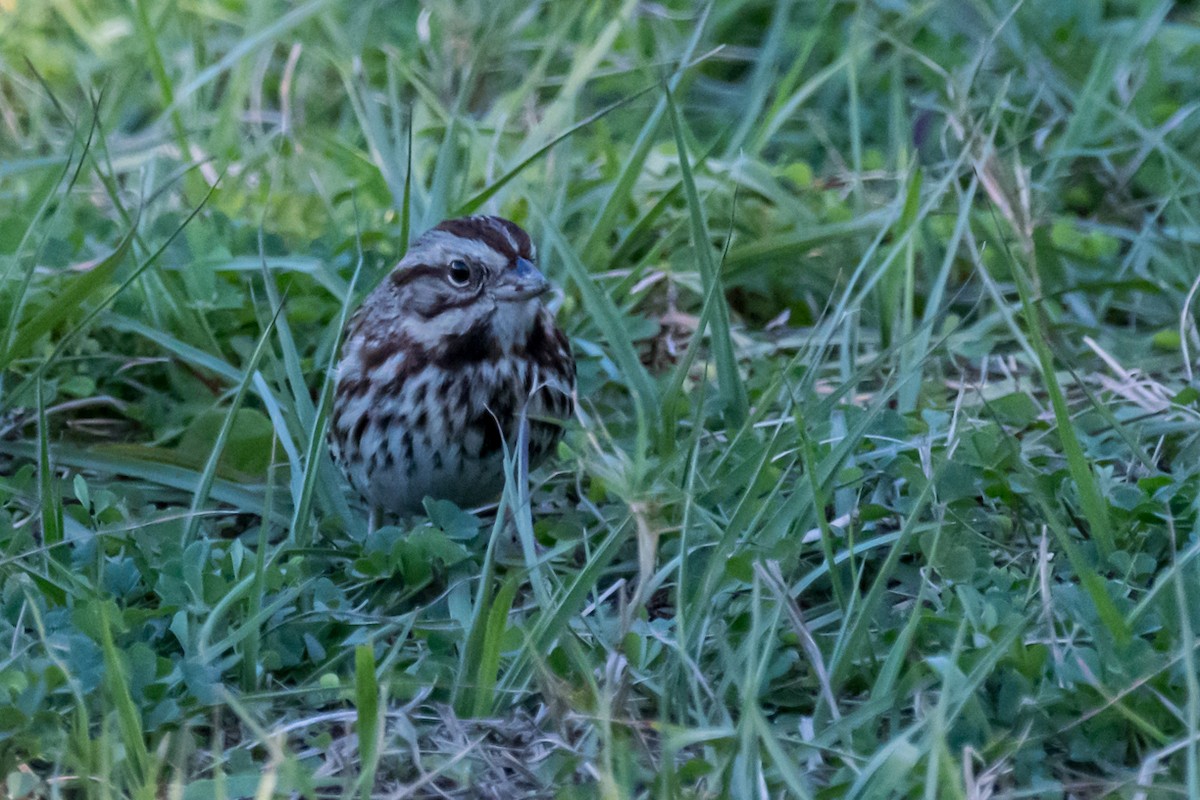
column 369, row 724
column 1095, row 507
column 729, row 380
column 208, row 474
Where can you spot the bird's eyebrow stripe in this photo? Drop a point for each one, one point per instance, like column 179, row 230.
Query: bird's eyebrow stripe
column 415, row 272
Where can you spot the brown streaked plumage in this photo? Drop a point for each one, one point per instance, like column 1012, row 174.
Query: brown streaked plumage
column 442, row 361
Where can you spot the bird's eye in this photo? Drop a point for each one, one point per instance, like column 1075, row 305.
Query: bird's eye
column 459, row 274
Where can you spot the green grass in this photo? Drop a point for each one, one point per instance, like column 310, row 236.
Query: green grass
column 884, row 476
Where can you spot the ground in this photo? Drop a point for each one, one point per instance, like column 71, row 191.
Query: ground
column 883, row 478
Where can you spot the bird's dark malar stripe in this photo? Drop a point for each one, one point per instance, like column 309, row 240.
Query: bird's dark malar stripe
column 473, row 346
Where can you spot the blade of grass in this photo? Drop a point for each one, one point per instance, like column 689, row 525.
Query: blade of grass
column 11, row 399
column 1095, row 508
column 855, row 628
column 1092, row 582
column 182, row 350
column 254, row 600
column 919, row 346
column 552, row 623
column 488, row 657
column 48, row 191
column 316, row 458
column 208, row 474
column 75, row 292
column 367, row 695
column 132, row 461
column 244, row 47
column 606, row 218
column 472, row 652
column 586, row 58
column 116, row 685
column 602, row 309
column 763, row 76
column 729, row 380
column 473, row 205
column 51, row 503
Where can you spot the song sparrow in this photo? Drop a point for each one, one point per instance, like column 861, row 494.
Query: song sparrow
column 440, row 363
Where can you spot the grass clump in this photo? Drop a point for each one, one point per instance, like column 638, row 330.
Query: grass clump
column 883, row 481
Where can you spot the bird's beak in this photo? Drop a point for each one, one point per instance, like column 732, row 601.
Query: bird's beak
column 523, row 281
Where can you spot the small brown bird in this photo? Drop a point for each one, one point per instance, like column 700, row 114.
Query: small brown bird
column 440, row 363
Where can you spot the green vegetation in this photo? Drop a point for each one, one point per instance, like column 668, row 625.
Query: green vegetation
column 884, row 480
